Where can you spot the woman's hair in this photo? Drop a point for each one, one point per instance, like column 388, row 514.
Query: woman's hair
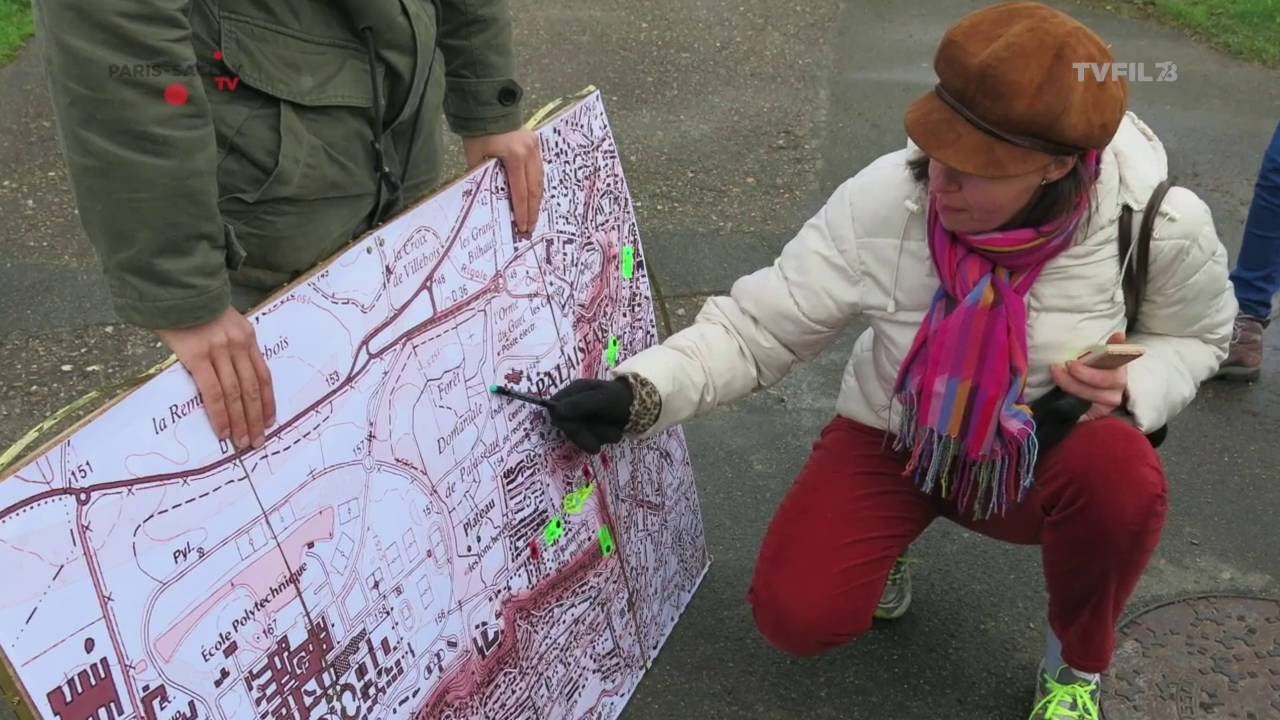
column 1052, row 202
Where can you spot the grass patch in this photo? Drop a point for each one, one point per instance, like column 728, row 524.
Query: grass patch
column 1245, row 28
column 16, row 26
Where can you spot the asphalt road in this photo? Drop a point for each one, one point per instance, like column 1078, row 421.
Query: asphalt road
column 736, row 119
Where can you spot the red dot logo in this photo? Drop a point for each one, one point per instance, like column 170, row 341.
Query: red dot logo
column 176, row 95
column 217, row 55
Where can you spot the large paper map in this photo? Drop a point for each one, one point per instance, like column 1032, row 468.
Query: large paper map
column 406, row 545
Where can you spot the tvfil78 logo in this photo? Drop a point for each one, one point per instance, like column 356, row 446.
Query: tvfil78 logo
column 1166, row 71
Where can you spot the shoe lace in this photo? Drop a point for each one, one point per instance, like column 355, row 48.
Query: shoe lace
column 1237, row 329
column 1246, row 324
column 899, row 569
column 1061, row 698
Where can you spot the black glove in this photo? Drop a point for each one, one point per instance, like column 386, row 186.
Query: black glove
column 593, row 413
column 1056, row 413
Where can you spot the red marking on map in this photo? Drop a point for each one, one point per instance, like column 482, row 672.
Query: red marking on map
column 90, row 691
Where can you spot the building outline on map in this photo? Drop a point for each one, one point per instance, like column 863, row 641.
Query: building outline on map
column 382, row 555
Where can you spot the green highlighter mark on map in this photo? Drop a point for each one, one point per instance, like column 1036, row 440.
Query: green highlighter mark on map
column 628, row 262
column 576, row 502
column 606, row 541
column 611, row 355
column 554, row 530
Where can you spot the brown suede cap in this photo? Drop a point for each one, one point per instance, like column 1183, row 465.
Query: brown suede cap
column 1010, row 94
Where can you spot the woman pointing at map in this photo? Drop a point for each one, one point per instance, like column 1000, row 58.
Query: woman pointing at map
column 985, row 257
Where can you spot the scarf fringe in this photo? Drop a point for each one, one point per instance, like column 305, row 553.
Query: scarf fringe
column 982, row 486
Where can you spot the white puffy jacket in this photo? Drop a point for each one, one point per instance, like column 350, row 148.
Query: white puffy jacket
column 864, row 257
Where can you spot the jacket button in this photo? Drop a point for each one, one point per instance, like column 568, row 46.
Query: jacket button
column 509, row 95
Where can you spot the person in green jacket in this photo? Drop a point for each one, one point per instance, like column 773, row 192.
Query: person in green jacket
column 218, row 149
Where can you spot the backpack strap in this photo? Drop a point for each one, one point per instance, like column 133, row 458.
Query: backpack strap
column 1134, row 279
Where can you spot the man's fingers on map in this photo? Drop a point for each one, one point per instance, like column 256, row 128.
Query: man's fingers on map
column 211, row 391
column 520, row 153
column 226, row 371
column 247, row 387
column 524, row 171
column 515, row 166
column 230, row 373
column 264, row 380
column 251, row 394
column 534, row 174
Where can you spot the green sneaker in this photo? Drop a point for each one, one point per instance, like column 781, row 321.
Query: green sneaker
column 1067, row 697
column 896, row 599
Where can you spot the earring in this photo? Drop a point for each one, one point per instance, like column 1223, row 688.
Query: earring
column 1044, row 181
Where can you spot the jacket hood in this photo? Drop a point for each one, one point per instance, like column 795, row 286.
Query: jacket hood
column 1133, row 164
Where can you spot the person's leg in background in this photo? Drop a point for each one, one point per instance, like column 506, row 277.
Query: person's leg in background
column 1257, row 273
column 834, row 539
column 1097, row 511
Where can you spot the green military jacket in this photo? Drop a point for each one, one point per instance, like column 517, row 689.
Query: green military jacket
column 218, row 141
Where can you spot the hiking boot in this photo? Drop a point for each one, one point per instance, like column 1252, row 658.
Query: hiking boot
column 1067, row 696
column 1245, row 361
column 896, row 599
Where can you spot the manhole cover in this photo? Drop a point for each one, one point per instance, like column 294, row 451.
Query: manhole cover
column 1207, row 657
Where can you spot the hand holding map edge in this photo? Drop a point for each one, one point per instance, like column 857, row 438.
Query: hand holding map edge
column 520, row 153
column 228, row 369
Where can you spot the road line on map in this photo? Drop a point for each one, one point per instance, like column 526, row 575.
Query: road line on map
column 546, row 294
column 622, row 568
column 266, row 516
column 43, row 595
column 112, row 633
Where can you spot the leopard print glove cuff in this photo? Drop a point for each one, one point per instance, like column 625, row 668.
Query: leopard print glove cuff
column 646, row 405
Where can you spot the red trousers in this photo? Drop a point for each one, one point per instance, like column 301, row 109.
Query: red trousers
column 1097, row 511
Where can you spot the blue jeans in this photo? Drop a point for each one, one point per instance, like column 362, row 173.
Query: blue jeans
column 1257, row 274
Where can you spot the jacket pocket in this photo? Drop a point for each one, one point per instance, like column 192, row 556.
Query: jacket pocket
column 297, row 124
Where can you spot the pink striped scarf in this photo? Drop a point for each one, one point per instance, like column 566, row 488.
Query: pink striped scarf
column 969, row 431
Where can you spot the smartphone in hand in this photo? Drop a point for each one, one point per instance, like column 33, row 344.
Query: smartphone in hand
column 1111, row 356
